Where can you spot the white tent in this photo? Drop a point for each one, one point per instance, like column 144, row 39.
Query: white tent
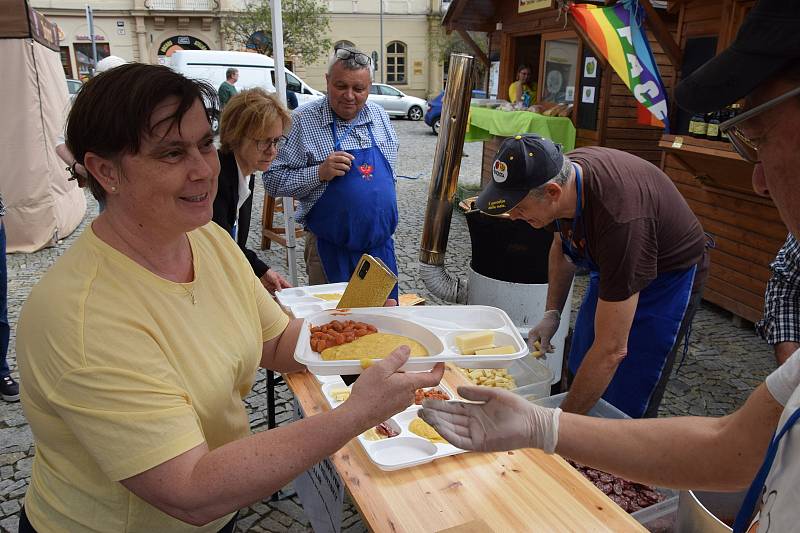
column 42, row 206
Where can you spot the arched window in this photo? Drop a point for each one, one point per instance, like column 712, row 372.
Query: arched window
column 343, row 44
column 396, row 62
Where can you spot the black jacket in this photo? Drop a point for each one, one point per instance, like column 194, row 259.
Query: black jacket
column 225, row 208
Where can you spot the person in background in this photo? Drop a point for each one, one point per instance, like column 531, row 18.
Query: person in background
column 623, row 219
column 227, row 88
column 758, row 444
column 75, row 169
column 251, row 130
column 338, row 161
column 780, row 325
column 138, row 346
column 9, row 388
column 524, row 89
column 291, row 100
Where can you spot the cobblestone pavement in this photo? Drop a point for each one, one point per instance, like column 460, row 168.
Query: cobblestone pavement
column 723, row 365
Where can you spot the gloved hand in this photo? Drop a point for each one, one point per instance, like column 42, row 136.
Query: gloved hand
column 544, row 331
column 504, row 421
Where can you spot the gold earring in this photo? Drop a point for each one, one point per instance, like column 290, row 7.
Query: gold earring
column 113, row 188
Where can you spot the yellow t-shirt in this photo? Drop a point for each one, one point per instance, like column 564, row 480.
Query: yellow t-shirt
column 121, row 371
column 514, row 88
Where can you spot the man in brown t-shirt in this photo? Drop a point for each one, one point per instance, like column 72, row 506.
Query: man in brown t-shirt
column 624, row 220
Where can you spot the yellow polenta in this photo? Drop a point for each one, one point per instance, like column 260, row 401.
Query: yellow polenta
column 419, row 427
column 374, row 346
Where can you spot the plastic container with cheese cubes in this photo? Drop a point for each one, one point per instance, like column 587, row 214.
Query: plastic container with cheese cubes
column 533, row 378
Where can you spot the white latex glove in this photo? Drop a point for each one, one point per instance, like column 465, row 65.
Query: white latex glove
column 544, row 331
column 503, row 421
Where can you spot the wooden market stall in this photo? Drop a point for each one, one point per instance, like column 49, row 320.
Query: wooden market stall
column 524, row 32
column 715, row 181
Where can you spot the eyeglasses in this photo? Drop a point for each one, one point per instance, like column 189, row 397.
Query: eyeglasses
column 276, row 143
column 744, row 145
column 344, row 54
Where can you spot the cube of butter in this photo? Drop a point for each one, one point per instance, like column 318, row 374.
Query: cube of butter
column 467, row 343
column 340, row 394
column 499, row 350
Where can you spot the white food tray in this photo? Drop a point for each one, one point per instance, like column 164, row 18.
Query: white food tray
column 406, row 449
column 301, row 302
column 435, row 327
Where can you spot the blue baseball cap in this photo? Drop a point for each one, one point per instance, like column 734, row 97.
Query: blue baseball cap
column 522, row 163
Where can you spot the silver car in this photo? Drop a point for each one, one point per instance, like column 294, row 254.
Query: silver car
column 396, row 103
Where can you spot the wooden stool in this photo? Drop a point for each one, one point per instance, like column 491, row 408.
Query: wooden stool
column 269, row 232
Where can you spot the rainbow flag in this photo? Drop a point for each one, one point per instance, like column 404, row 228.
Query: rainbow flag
column 616, row 32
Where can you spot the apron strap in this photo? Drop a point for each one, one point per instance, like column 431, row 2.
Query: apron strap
column 337, row 142
column 754, row 492
column 578, row 211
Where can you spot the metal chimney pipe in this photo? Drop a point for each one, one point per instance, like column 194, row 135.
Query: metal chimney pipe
column 444, row 180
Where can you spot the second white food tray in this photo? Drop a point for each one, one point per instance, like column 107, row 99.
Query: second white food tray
column 406, row 449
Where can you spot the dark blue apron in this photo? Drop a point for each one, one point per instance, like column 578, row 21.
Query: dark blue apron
column 357, row 213
column 653, row 333
column 745, row 515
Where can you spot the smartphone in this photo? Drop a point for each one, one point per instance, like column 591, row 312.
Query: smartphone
column 370, row 285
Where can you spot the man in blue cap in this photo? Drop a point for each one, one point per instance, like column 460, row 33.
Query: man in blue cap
column 621, row 218
column 759, row 444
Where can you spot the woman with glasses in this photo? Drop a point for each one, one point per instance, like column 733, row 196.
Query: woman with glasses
column 251, row 132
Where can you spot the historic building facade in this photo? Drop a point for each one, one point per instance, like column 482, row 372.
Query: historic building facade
column 150, row 30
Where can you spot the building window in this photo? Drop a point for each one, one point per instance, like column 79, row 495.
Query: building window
column 396, row 62
column 83, row 57
column 343, row 44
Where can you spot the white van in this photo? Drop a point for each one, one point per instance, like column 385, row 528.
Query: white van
column 255, row 70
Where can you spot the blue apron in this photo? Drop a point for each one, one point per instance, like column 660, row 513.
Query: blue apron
column 745, row 515
column 653, row 333
column 357, row 213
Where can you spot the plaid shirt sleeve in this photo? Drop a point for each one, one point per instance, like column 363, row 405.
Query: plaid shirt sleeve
column 781, row 321
column 295, row 171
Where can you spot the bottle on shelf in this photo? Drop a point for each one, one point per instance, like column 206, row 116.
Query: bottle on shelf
column 725, row 115
column 712, row 129
column 698, row 126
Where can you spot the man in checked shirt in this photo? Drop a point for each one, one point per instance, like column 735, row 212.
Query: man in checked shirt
column 780, row 325
column 338, row 161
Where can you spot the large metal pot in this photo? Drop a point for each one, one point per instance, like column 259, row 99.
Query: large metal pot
column 707, row 512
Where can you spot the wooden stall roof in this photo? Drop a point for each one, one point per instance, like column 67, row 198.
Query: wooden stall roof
column 481, row 15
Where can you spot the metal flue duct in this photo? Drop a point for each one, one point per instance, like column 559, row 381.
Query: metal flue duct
column 444, row 180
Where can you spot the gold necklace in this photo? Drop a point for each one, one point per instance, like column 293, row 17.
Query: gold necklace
column 154, row 268
column 190, row 292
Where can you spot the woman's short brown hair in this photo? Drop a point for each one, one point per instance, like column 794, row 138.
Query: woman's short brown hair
column 250, row 113
column 111, row 114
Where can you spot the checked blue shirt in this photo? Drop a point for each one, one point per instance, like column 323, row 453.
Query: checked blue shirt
column 295, row 170
column 781, row 320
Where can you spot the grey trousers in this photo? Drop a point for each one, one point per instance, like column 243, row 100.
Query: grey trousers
column 316, row 274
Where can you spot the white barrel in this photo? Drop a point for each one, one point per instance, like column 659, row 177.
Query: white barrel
column 524, row 303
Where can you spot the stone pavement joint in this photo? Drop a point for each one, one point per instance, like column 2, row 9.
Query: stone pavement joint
column 724, row 362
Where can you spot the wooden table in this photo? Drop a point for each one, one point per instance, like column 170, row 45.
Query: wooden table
column 524, row 490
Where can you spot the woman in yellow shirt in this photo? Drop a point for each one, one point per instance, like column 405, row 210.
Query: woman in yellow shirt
column 138, row 346
column 518, row 90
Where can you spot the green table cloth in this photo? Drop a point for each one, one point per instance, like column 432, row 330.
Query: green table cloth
column 484, row 122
